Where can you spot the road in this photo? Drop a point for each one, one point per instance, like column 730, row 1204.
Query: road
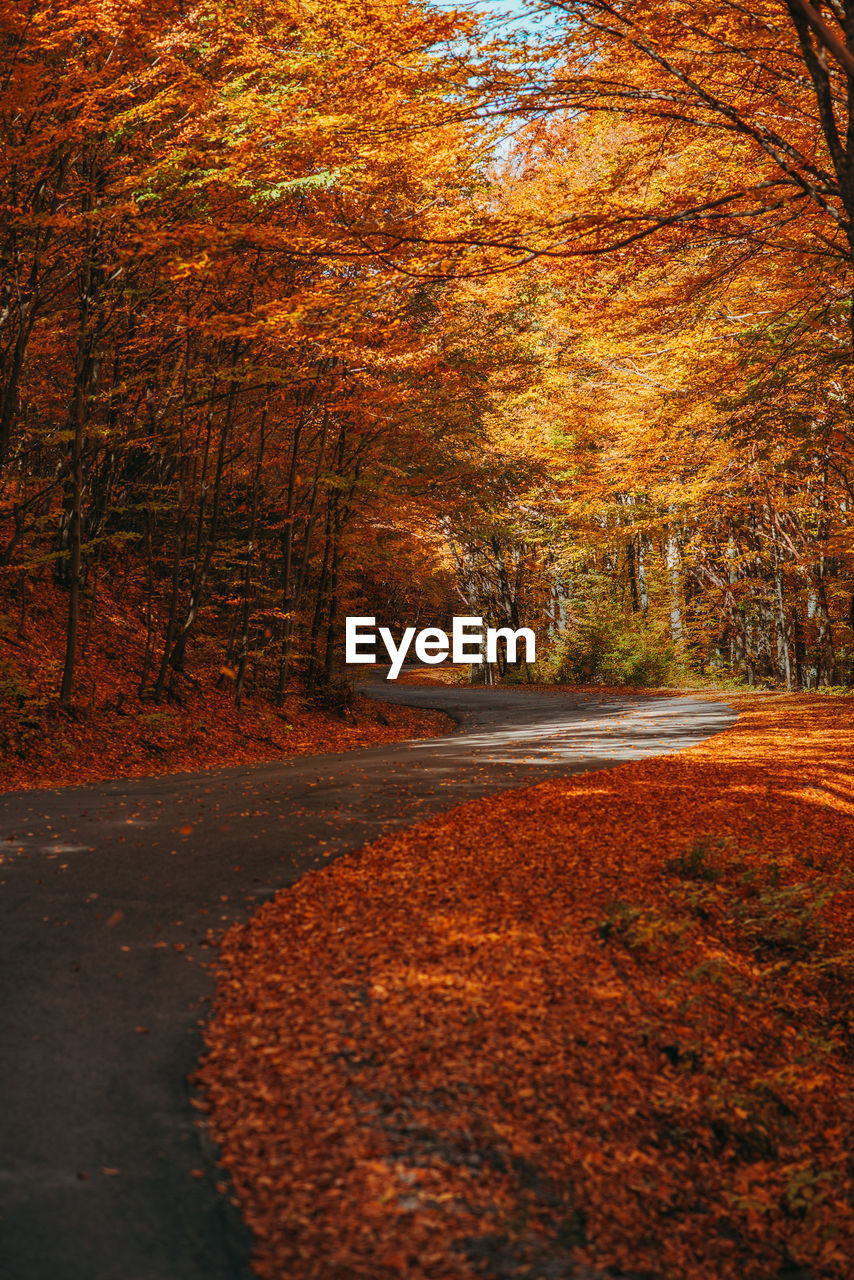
column 108, row 893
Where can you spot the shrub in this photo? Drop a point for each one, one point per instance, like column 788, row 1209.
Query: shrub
column 603, row 648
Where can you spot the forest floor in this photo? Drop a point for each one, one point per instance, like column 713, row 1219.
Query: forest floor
column 113, row 733
column 600, row 1026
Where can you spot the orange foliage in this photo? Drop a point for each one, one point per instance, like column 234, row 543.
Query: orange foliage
column 112, row 733
column 552, row 1030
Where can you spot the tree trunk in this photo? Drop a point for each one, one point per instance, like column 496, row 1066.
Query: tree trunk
column 247, row 574
column 671, row 556
column 75, row 537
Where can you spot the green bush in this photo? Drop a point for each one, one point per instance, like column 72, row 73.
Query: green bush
column 605, row 649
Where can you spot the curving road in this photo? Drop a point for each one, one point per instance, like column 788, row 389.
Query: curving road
column 108, row 892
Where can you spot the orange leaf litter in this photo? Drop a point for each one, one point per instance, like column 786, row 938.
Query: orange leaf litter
column 555, row 1034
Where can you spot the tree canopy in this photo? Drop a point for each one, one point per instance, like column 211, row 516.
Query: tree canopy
column 307, row 310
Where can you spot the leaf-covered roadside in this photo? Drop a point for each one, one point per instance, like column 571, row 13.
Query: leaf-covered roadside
column 600, row 1026
column 115, row 733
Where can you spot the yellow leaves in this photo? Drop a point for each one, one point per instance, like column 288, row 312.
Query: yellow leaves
column 199, row 265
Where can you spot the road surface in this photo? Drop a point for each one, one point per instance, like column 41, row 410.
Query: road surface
column 108, row 892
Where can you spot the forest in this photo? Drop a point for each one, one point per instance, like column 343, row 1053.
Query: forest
column 408, row 316
column 305, row 309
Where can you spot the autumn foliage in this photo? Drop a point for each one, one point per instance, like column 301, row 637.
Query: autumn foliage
column 283, row 334
column 378, row 307
column 218, row 380
column 674, row 231
column 116, row 734
column 601, row 1023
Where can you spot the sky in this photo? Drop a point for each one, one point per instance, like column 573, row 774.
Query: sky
column 518, row 16
column 515, row 10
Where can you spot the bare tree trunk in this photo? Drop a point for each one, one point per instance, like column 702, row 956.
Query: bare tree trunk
column 319, row 601
column 85, row 374
column 671, row 557
column 172, row 617
column 631, row 572
column 643, row 594
column 149, row 605
column 293, row 584
column 332, row 610
column 825, row 636
column 181, row 531
column 782, row 629
column 75, row 536
column 250, row 554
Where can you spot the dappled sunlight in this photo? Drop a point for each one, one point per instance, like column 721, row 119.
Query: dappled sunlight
column 612, row 731
column 599, row 1022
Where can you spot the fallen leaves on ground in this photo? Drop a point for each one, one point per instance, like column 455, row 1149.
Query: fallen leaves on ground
column 596, row 1027
column 112, row 733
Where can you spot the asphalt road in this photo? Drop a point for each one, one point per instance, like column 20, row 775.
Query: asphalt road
column 108, row 891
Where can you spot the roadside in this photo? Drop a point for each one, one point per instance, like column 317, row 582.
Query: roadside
column 206, row 732
column 113, row 895
column 112, row 732
column 602, row 1022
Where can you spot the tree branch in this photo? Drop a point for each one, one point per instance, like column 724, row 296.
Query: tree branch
column 831, row 42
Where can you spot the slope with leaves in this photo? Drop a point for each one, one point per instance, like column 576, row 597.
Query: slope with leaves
column 114, row 733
